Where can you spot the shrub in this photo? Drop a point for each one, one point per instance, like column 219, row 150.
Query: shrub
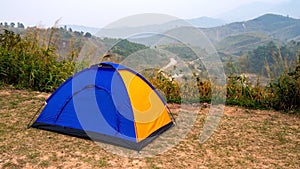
column 241, row 92
column 286, row 90
column 163, row 82
column 31, row 62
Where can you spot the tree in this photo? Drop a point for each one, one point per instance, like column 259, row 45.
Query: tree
column 20, row 25
column 78, row 34
column 5, row 24
column 9, row 39
column 88, row 35
column 67, row 35
column 12, row 25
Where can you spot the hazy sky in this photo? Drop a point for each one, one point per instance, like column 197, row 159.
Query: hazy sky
column 98, row 13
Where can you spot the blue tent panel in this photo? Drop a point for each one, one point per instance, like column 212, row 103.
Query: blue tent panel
column 85, row 102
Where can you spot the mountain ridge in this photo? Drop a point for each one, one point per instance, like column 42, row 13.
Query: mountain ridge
column 233, row 37
column 250, row 34
column 272, row 24
column 267, row 23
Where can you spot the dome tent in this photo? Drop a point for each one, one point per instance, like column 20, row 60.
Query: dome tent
column 107, row 102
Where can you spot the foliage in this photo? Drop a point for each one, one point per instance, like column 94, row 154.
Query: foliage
column 166, row 85
column 281, row 93
column 31, row 62
column 204, row 89
column 266, row 53
column 182, row 51
column 125, row 48
column 241, row 92
column 88, row 35
column 237, row 43
column 286, row 90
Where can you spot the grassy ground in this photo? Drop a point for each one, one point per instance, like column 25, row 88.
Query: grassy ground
column 244, row 139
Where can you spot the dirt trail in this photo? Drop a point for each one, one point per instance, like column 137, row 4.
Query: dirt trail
column 172, row 62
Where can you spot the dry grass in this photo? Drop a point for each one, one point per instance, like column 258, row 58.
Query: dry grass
column 244, row 139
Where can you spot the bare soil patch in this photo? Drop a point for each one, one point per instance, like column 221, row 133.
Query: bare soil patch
column 244, row 139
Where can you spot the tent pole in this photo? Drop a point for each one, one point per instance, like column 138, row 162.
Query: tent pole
column 170, row 113
column 29, row 123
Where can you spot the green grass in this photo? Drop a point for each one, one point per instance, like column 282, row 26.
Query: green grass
column 102, row 163
column 10, row 165
column 44, row 164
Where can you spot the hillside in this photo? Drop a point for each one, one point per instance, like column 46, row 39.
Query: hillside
column 229, row 38
column 268, row 24
column 82, row 28
column 206, row 22
column 242, row 42
column 243, row 36
column 244, row 139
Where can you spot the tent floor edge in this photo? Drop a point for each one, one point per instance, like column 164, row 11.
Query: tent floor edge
column 89, row 135
column 102, row 137
column 154, row 135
